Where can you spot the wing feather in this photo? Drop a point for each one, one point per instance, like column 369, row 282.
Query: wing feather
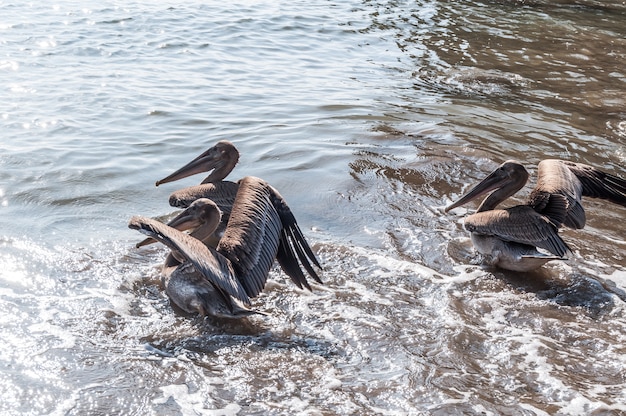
column 251, row 238
column 598, row 184
column 294, row 249
column 285, row 257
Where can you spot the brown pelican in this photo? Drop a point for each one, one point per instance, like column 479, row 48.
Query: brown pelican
column 214, row 281
column 509, row 238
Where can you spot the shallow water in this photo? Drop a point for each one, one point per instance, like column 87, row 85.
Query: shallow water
column 369, row 117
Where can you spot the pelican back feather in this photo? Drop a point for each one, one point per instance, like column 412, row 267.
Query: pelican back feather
column 222, row 193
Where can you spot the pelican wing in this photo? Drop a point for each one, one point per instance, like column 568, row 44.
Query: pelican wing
column 520, row 224
column 212, row 265
column 559, row 178
column 251, row 238
column 293, row 246
column 222, row 193
column 558, row 194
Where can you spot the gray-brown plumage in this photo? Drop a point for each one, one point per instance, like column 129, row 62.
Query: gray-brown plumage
column 238, row 267
column 509, row 238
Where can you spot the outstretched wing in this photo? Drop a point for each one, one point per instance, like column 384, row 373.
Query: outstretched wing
column 520, row 224
column 212, row 265
column 251, row 238
column 558, row 194
column 558, row 179
column 293, row 246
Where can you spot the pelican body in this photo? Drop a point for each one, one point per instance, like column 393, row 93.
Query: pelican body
column 221, row 281
column 510, row 238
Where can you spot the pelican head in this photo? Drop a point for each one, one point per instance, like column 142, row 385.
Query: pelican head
column 202, row 216
column 507, row 179
column 221, row 159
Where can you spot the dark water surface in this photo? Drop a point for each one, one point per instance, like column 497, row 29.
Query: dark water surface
column 369, row 117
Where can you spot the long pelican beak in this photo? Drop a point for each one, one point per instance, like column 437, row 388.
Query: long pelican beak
column 203, row 163
column 184, row 221
column 146, row 242
column 495, row 180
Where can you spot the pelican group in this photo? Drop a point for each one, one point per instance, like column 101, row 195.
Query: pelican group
column 510, row 238
column 218, row 273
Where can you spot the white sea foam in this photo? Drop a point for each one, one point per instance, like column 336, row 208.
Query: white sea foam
column 193, row 403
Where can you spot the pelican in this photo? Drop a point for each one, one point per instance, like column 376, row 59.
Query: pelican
column 221, row 281
column 509, row 238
